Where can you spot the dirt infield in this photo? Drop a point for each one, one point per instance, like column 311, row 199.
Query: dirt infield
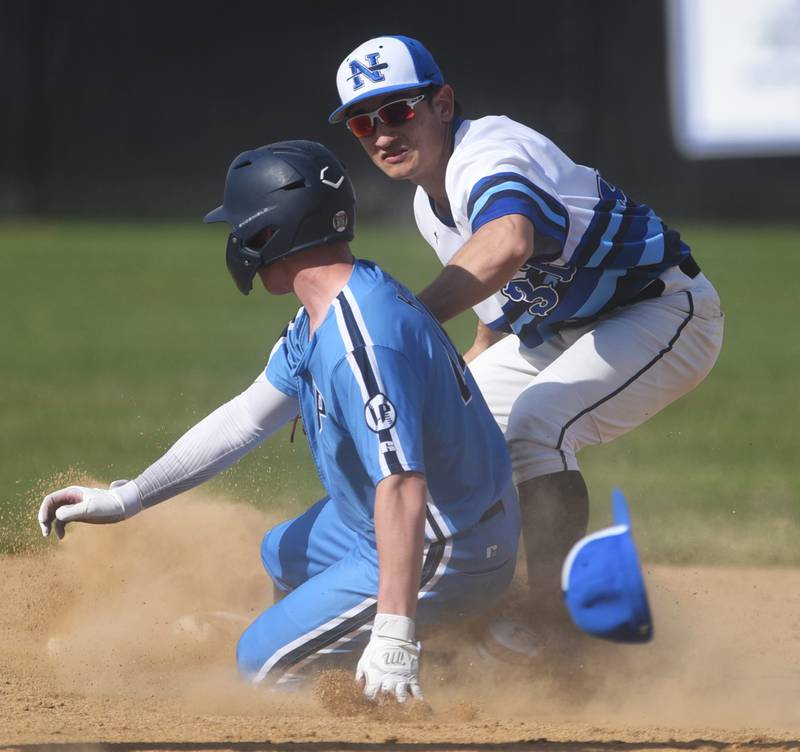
column 97, row 652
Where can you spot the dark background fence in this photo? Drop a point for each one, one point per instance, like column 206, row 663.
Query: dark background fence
column 135, row 109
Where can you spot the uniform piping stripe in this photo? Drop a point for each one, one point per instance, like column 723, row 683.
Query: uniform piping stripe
column 633, row 378
column 365, row 371
column 435, row 565
column 294, row 673
column 288, row 651
column 365, row 368
column 349, row 624
column 356, row 370
column 439, row 527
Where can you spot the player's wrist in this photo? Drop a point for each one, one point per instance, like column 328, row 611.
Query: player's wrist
column 395, row 627
column 129, row 496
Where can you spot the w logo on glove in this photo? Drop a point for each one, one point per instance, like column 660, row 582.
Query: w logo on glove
column 398, row 658
column 390, row 661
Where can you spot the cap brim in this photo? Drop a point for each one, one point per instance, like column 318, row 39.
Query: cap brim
column 216, row 215
column 340, row 113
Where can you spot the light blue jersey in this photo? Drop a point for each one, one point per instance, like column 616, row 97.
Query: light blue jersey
column 382, row 390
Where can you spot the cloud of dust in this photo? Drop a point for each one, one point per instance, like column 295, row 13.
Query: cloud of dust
column 155, row 605
column 112, row 620
column 726, row 654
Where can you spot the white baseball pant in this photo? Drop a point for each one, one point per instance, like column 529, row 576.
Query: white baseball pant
column 591, row 384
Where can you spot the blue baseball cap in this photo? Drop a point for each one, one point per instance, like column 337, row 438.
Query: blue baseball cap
column 381, row 66
column 603, row 585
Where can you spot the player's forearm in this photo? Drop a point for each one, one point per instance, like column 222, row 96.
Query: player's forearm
column 205, row 450
column 216, row 442
column 400, row 530
column 483, row 266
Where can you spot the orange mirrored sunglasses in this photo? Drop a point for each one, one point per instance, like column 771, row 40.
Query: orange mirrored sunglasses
column 391, row 113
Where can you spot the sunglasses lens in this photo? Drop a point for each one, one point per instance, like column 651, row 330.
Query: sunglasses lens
column 361, row 125
column 396, row 113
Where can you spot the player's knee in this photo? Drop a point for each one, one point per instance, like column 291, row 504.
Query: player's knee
column 250, row 654
column 271, row 555
column 538, row 441
column 535, row 420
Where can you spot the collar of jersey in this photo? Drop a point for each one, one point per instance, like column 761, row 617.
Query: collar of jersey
column 447, row 220
column 310, row 345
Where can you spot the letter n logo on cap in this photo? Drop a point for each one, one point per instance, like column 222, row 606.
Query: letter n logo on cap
column 372, row 70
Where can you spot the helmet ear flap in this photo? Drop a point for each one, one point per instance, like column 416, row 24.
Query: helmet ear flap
column 244, row 258
column 242, row 267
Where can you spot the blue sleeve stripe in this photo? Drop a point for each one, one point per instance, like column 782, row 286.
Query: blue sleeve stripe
column 510, row 202
column 503, row 177
column 557, row 219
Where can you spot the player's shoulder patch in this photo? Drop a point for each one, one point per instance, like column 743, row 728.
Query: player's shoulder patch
column 379, row 413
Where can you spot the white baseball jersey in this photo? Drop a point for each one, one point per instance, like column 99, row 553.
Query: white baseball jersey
column 595, row 248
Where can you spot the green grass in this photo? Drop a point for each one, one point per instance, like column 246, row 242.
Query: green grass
column 118, row 337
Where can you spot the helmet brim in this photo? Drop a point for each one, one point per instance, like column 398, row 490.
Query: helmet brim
column 216, row 215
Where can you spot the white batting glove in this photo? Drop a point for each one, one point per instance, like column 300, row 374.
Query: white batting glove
column 390, row 662
column 94, row 505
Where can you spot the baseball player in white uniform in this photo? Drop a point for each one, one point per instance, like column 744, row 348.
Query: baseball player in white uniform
column 421, row 521
column 592, row 313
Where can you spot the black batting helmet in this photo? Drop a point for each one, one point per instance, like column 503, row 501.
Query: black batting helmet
column 297, row 189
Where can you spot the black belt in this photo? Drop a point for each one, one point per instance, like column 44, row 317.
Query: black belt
column 688, row 266
column 496, row 508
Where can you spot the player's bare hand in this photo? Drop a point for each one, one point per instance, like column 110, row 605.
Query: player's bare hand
column 390, row 663
column 82, row 504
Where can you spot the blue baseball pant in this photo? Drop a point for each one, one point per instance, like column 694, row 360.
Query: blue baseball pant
column 329, row 573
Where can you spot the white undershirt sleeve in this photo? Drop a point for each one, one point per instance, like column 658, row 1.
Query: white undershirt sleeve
column 213, row 445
